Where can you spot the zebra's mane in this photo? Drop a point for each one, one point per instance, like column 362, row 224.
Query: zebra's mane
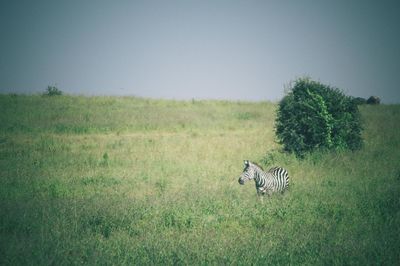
column 258, row 166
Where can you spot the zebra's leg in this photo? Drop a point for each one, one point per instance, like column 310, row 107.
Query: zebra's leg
column 260, row 196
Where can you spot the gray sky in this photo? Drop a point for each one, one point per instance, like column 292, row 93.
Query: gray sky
column 244, row 50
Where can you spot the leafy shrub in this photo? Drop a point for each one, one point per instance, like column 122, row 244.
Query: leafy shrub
column 316, row 116
column 359, row 100
column 52, row 91
column 374, row 100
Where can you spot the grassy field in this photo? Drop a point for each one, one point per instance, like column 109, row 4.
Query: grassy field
column 115, row 180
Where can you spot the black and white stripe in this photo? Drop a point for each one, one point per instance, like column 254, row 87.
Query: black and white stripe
column 275, row 179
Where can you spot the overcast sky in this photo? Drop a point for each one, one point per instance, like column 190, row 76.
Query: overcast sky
column 245, row 50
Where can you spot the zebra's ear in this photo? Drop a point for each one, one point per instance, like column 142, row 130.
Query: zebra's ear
column 246, row 162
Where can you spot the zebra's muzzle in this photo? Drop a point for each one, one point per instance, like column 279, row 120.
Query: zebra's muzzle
column 241, row 181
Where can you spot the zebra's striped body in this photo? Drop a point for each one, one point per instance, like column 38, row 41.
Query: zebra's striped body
column 275, row 179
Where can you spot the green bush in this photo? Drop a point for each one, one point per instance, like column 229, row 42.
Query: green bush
column 359, row 100
column 314, row 116
column 374, row 100
column 52, row 91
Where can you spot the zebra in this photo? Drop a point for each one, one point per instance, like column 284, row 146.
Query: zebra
column 275, row 179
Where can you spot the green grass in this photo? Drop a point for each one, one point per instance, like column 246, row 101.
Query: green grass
column 123, row 180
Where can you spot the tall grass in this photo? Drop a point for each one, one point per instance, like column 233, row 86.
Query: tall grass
column 114, row 180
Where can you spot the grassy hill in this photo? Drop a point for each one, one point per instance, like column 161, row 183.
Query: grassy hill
column 123, row 180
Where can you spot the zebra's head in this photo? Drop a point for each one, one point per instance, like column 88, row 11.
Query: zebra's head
column 248, row 172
